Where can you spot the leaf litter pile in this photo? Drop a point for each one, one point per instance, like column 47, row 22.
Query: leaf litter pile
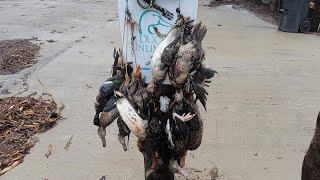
column 17, row 54
column 20, row 119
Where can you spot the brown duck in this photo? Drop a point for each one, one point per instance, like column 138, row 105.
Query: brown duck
column 189, row 56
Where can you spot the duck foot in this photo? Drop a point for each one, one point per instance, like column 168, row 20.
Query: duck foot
column 122, row 140
column 102, row 135
column 184, row 117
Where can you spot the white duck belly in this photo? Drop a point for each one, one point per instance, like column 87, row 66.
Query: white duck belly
column 129, row 115
column 158, row 68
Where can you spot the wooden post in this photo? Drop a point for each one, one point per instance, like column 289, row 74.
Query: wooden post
column 164, row 174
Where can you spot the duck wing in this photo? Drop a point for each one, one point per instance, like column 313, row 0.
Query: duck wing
column 170, row 52
column 130, row 116
column 197, row 81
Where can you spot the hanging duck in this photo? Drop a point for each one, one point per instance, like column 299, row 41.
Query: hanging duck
column 106, row 111
column 166, row 50
column 139, row 94
column 107, row 116
column 177, row 131
column 189, row 56
column 107, row 89
column 130, row 117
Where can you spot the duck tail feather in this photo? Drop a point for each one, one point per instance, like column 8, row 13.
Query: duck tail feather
column 199, row 32
column 201, row 94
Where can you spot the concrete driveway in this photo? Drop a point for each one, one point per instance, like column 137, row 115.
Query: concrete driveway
column 262, row 107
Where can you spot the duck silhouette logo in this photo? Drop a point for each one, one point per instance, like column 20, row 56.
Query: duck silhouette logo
column 150, row 19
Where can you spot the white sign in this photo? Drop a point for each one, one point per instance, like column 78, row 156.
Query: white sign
column 141, row 49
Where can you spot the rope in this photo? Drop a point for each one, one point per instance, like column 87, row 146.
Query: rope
column 125, row 34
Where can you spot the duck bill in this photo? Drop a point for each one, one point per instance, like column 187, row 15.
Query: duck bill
column 183, row 172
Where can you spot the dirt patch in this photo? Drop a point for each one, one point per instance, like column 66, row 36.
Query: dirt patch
column 260, row 9
column 16, row 55
column 20, row 119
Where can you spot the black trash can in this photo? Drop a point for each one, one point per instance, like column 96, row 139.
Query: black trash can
column 294, row 15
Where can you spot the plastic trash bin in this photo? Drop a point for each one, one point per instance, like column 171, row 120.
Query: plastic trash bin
column 294, row 15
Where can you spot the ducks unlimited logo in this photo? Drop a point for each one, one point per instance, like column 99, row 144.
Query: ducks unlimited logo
column 148, row 40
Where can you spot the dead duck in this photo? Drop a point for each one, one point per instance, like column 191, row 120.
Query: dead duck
column 195, row 131
column 130, row 117
column 159, row 66
column 140, row 94
column 167, row 49
column 189, row 56
column 106, row 111
column 107, row 89
column 107, row 116
column 177, row 131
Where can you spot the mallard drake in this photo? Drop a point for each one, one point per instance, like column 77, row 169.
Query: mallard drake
column 189, row 56
column 194, row 126
column 130, row 116
column 105, row 93
column 176, row 131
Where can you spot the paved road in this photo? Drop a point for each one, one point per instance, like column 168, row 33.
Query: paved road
column 262, row 106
